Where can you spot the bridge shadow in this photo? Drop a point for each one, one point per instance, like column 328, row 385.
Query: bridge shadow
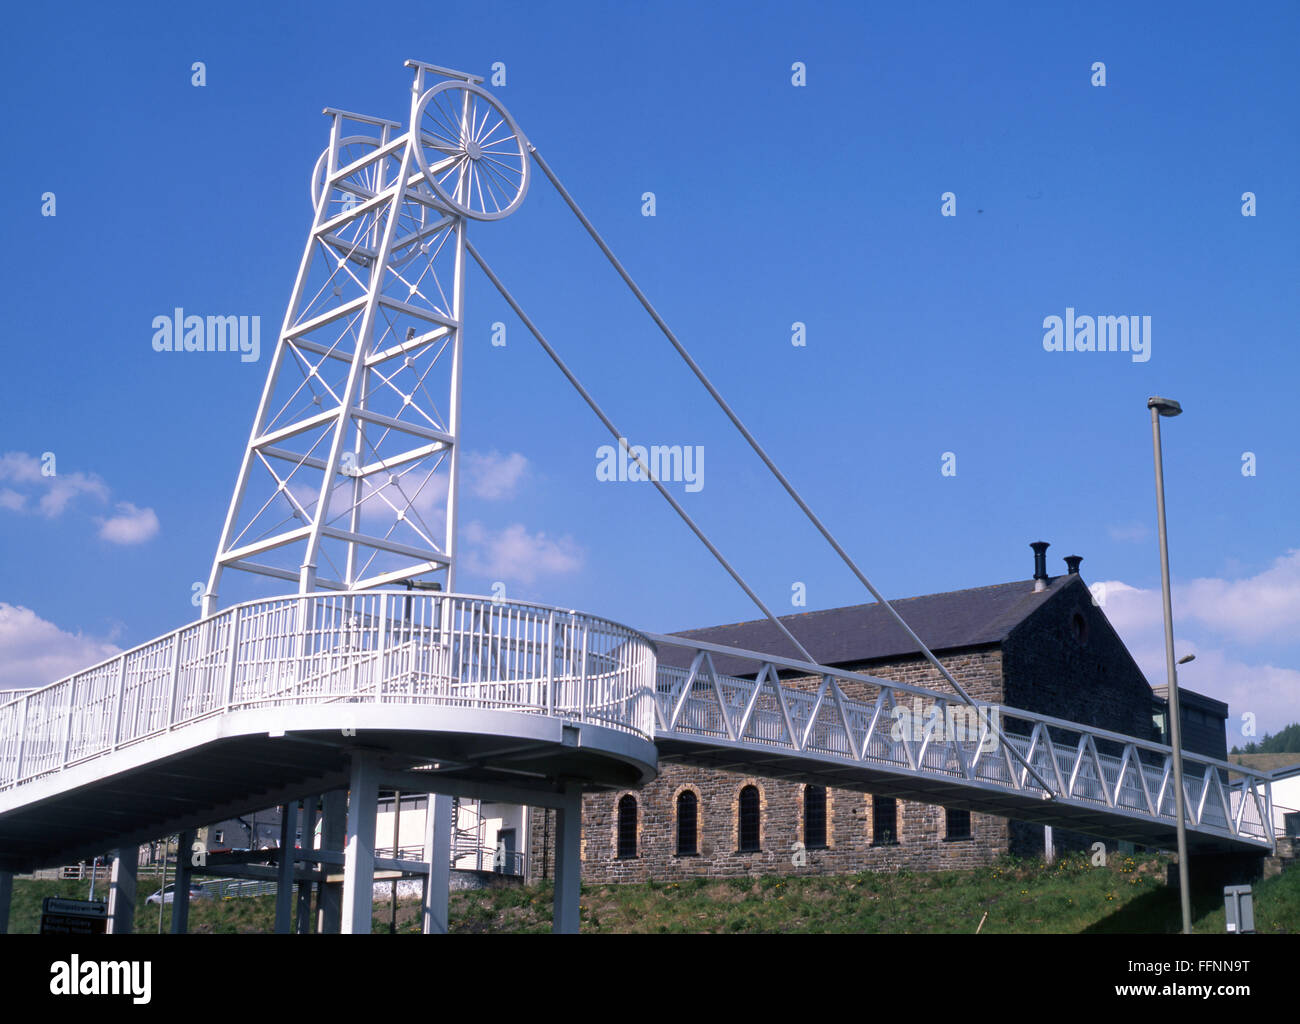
column 1158, row 912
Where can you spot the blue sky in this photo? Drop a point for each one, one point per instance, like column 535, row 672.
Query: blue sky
column 774, row 204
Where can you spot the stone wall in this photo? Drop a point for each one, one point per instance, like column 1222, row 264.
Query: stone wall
column 921, row 843
column 1065, row 660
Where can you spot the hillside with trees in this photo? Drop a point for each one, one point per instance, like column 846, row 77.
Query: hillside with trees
column 1285, row 742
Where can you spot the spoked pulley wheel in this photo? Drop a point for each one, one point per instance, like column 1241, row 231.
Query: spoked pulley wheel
column 470, row 151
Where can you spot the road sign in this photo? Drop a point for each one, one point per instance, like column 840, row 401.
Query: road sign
column 61, row 916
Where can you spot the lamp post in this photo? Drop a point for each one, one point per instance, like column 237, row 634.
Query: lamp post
column 1168, row 407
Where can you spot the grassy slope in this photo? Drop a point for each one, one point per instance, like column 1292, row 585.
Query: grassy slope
column 1128, row 896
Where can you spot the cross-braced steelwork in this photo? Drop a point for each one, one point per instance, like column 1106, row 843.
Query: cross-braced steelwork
column 349, row 478
column 917, row 742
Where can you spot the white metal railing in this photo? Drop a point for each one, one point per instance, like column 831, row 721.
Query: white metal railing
column 1282, row 816
column 235, row 888
column 374, row 647
column 472, row 652
column 1081, row 766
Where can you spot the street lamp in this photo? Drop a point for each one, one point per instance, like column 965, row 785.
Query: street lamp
column 1168, row 407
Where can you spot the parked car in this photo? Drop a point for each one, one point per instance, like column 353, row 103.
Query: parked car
column 197, row 892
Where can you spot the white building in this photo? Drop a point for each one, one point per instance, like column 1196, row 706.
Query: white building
column 487, row 836
column 1286, row 801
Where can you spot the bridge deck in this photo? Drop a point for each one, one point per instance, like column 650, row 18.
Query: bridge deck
column 268, row 702
column 923, row 745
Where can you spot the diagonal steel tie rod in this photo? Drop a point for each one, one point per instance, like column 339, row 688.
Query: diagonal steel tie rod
column 758, row 448
column 681, row 512
column 622, row 440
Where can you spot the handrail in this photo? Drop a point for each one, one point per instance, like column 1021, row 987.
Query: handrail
column 466, row 651
column 822, row 719
column 378, row 646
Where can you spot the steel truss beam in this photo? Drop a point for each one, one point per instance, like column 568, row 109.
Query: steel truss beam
column 864, row 721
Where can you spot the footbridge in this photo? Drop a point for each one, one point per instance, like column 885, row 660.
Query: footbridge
column 346, row 687
column 272, row 701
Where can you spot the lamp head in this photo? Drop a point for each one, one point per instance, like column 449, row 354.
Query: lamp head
column 1164, row 406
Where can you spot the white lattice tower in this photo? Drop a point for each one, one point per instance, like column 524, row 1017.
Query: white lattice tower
column 349, row 479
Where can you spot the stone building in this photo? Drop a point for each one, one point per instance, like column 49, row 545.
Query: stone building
column 1040, row 644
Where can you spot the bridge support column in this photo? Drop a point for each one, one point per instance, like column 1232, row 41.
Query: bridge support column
column 359, row 860
column 181, row 889
column 122, row 891
column 329, row 907
column 284, row 876
column 437, row 851
column 6, row 893
column 1049, row 848
column 308, row 825
column 568, row 863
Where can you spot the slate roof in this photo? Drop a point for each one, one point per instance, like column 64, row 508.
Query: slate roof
column 866, row 632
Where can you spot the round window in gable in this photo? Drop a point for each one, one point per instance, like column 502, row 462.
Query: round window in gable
column 1080, row 625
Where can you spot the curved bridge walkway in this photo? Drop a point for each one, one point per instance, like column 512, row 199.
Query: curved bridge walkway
column 272, row 701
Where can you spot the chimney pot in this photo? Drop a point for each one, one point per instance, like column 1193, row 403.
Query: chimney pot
column 1072, row 564
column 1040, row 564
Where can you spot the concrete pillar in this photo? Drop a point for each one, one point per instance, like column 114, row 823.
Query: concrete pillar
column 181, row 890
column 359, row 860
column 437, row 851
column 329, row 907
column 1049, row 847
column 284, row 877
column 304, row 889
column 122, row 891
column 6, row 892
column 568, row 863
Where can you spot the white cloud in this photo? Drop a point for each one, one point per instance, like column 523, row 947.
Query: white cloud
column 34, row 652
column 51, row 494
column 130, row 526
column 515, row 554
column 1238, row 610
column 1268, row 692
column 39, row 488
column 1265, row 606
column 494, row 476
column 1132, row 532
column 1131, row 610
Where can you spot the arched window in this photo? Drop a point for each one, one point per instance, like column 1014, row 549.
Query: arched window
column 958, row 823
column 884, row 821
column 627, row 827
column 687, row 821
column 814, row 817
column 749, row 819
